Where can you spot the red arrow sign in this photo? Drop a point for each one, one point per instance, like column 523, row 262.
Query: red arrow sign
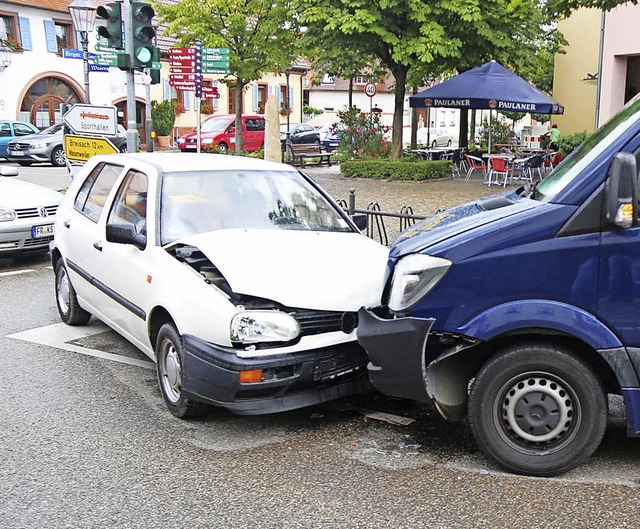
column 190, row 63
column 183, row 85
column 182, row 77
column 182, row 69
column 182, row 53
column 210, row 91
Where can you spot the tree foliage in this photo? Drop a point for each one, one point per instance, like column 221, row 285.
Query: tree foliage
column 260, row 35
column 432, row 37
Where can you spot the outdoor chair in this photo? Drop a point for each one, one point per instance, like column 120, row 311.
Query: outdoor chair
column 475, row 164
column 551, row 160
column 499, row 168
column 535, row 164
column 521, row 169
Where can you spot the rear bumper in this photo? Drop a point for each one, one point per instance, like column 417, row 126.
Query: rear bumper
column 396, row 350
column 211, row 375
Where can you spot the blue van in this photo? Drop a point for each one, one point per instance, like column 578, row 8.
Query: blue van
column 522, row 310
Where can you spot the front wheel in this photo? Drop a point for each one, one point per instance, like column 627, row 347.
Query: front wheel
column 57, row 157
column 169, row 365
column 537, row 409
column 434, row 144
column 223, row 148
column 69, row 309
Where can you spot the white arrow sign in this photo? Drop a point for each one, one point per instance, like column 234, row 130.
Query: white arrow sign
column 91, row 119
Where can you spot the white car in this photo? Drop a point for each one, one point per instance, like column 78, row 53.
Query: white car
column 434, row 137
column 241, row 278
column 27, row 215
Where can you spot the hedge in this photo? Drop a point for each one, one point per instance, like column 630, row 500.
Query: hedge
column 396, row 169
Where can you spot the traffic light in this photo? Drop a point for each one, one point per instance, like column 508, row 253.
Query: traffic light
column 112, row 13
column 144, row 51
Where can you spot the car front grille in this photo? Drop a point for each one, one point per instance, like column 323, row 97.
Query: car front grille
column 20, row 146
column 35, row 213
column 318, row 322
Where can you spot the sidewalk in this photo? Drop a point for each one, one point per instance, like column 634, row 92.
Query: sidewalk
column 425, row 198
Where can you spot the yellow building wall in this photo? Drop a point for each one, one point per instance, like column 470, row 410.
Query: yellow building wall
column 570, row 89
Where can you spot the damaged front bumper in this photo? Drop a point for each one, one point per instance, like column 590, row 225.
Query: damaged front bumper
column 290, row 381
column 408, row 361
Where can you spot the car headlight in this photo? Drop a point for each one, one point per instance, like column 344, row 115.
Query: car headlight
column 413, row 277
column 263, row 326
column 41, row 145
column 7, row 214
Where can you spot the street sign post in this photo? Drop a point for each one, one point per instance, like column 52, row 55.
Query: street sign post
column 91, row 119
column 370, row 89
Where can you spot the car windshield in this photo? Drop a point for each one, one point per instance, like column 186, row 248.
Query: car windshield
column 587, row 152
column 198, row 202
column 53, row 129
column 215, row 125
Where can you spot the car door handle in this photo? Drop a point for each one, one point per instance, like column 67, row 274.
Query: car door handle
column 97, row 246
column 66, row 224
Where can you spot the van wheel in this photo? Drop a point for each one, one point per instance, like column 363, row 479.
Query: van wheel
column 537, row 409
column 169, row 362
column 70, row 311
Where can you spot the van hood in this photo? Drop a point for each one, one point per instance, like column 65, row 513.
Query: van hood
column 458, row 220
column 302, row 269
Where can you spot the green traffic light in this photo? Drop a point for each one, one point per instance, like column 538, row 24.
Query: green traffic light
column 144, row 55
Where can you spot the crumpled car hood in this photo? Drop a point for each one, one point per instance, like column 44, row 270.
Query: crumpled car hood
column 303, row 269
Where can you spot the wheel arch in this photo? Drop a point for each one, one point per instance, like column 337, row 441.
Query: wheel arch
column 157, row 318
column 449, row 375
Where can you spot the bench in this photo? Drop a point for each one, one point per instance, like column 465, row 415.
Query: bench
column 300, row 151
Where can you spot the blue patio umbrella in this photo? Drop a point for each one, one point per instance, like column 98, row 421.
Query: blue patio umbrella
column 490, row 86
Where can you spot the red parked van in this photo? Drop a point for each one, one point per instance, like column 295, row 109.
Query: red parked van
column 220, row 130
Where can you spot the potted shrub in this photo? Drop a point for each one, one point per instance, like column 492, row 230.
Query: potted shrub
column 163, row 117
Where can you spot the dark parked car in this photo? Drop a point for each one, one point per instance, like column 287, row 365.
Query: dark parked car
column 48, row 146
column 299, row 133
column 329, row 137
column 10, row 130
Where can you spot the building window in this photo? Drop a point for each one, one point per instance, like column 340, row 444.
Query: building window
column 9, row 31
column 360, row 79
column 64, row 36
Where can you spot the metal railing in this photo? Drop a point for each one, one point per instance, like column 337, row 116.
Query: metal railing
column 377, row 228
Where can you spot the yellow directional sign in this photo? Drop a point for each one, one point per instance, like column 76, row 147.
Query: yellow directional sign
column 81, row 148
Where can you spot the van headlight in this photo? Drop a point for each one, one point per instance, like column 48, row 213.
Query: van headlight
column 263, row 326
column 413, row 277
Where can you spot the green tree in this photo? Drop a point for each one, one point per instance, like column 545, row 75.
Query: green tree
column 435, row 36
column 259, row 33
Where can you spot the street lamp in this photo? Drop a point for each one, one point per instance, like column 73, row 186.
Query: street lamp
column 5, row 57
column 83, row 14
column 287, row 105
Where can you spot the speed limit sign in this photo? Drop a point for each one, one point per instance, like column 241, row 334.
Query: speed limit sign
column 370, row 89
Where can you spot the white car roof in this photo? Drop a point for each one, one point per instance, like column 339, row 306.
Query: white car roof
column 172, row 162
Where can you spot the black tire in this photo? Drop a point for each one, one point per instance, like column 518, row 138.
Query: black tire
column 123, row 149
column 223, row 148
column 57, row 157
column 70, row 311
column 537, row 409
column 24, row 163
column 169, row 362
column 449, row 143
column 434, row 144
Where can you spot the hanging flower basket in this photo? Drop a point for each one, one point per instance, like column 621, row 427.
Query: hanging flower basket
column 285, row 111
column 179, row 106
column 206, row 107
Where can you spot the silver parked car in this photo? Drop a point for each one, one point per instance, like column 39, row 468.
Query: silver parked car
column 48, row 146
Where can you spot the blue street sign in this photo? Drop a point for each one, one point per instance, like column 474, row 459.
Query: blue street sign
column 72, row 54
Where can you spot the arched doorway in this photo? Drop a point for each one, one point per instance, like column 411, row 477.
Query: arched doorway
column 121, row 107
column 41, row 102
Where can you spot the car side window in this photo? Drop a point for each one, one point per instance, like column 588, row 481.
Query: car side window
column 95, row 189
column 5, row 130
column 21, row 130
column 130, row 205
column 255, row 124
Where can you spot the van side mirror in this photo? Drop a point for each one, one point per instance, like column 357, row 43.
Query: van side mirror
column 125, row 234
column 360, row 220
column 621, row 191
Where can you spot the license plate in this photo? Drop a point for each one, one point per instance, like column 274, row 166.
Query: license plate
column 16, row 153
column 190, row 146
column 42, row 231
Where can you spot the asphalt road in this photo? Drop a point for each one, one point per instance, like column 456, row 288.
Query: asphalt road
column 86, row 442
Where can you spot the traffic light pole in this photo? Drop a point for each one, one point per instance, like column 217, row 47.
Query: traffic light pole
column 133, row 140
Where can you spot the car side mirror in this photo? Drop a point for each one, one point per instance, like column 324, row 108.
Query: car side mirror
column 360, row 220
column 621, row 191
column 232, row 130
column 126, row 234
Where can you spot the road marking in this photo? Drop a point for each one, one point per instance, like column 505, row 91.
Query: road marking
column 16, row 272
column 58, row 334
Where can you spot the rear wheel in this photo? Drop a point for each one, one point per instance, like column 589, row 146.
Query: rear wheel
column 434, row 144
column 537, row 409
column 169, row 365
column 70, row 311
column 57, row 157
column 449, row 143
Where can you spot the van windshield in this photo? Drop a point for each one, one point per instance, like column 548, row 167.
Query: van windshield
column 587, row 152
